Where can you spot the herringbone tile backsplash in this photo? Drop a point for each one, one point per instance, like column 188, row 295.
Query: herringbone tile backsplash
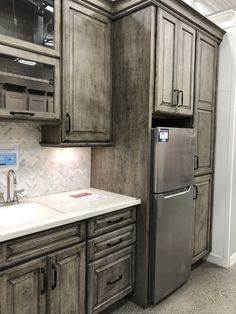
column 44, row 170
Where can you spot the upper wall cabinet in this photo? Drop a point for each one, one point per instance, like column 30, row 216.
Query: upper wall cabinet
column 174, row 65
column 31, row 24
column 86, row 79
column 29, row 85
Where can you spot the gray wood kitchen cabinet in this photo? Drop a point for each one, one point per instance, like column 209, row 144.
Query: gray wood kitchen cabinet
column 111, row 258
column 23, row 288
column 67, row 284
column 31, row 25
column 29, row 86
column 44, row 273
column 175, row 64
column 155, row 50
column 205, row 100
column 86, row 78
column 202, row 217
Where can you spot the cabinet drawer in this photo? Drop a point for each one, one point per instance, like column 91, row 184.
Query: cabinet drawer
column 111, row 242
column 110, row 279
column 109, row 222
column 41, row 243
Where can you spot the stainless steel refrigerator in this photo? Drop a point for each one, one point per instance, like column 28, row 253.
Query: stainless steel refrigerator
column 171, row 210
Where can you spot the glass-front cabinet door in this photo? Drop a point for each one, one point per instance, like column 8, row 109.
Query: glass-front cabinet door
column 31, row 24
column 29, row 85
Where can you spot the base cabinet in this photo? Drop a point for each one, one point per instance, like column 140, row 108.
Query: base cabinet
column 202, row 217
column 49, row 272
column 53, row 284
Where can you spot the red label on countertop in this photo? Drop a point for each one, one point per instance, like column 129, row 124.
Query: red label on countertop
column 80, row 195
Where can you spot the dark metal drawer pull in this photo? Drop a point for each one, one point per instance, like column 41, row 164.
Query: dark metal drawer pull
column 111, row 244
column 115, row 281
column 195, row 192
column 116, row 220
column 43, row 272
column 54, row 277
column 182, row 98
column 22, row 113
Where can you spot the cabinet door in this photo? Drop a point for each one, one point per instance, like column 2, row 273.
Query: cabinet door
column 185, row 68
column 86, row 75
column 31, row 25
column 66, row 291
column 23, row 289
column 206, row 71
column 202, row 217
column 204, row 125
column 166, row 95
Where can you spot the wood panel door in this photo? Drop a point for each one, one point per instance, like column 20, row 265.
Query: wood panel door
column 166, row 88
column 23, row 289
column 185, row 68
column 204, row 152
column 206, row 72
column 175, row 65
column 205, row 99
column 202, row 217
column 86, row 75
column 67, row 273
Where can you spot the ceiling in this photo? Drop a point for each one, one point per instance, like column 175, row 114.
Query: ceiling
column 210, row 7
column 205, row 7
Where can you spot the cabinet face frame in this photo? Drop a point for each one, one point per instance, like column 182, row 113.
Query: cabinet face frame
column 67, row 71
column 22, row 44
column 4, row 113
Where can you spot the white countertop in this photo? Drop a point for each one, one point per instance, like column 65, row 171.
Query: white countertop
column 61, row 208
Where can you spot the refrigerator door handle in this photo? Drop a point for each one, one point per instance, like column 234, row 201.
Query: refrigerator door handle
column 186, row 191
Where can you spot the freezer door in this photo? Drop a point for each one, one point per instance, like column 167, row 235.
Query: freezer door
column 170, row 242
column 173, row 158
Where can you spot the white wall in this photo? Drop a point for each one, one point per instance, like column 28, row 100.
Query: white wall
column 224, row 203
column 44, row 170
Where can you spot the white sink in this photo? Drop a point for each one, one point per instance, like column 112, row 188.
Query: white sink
column 25, row 213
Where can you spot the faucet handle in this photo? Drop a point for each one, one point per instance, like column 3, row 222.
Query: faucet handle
column 18, row 194
column 2, row 200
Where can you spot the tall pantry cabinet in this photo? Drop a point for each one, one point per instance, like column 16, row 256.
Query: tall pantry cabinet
column 204, row 124
column 164, row 71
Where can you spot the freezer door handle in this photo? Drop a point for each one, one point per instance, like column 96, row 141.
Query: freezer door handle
column 185, row 191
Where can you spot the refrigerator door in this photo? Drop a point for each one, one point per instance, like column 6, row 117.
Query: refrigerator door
column 171, row 242
column 173, row 158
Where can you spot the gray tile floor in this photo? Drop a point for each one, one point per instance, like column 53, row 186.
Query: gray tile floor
column 210, row 290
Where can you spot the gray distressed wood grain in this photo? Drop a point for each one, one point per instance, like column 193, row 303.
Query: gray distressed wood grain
column 125, row 168
column 106, row 223
column 110, row 279
column 205, row 101
column 20, row 289
column 186, row 68
column 86, row 73
column 166, row 62
column 202, row 217
column 111, row 242
column 69, row 266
